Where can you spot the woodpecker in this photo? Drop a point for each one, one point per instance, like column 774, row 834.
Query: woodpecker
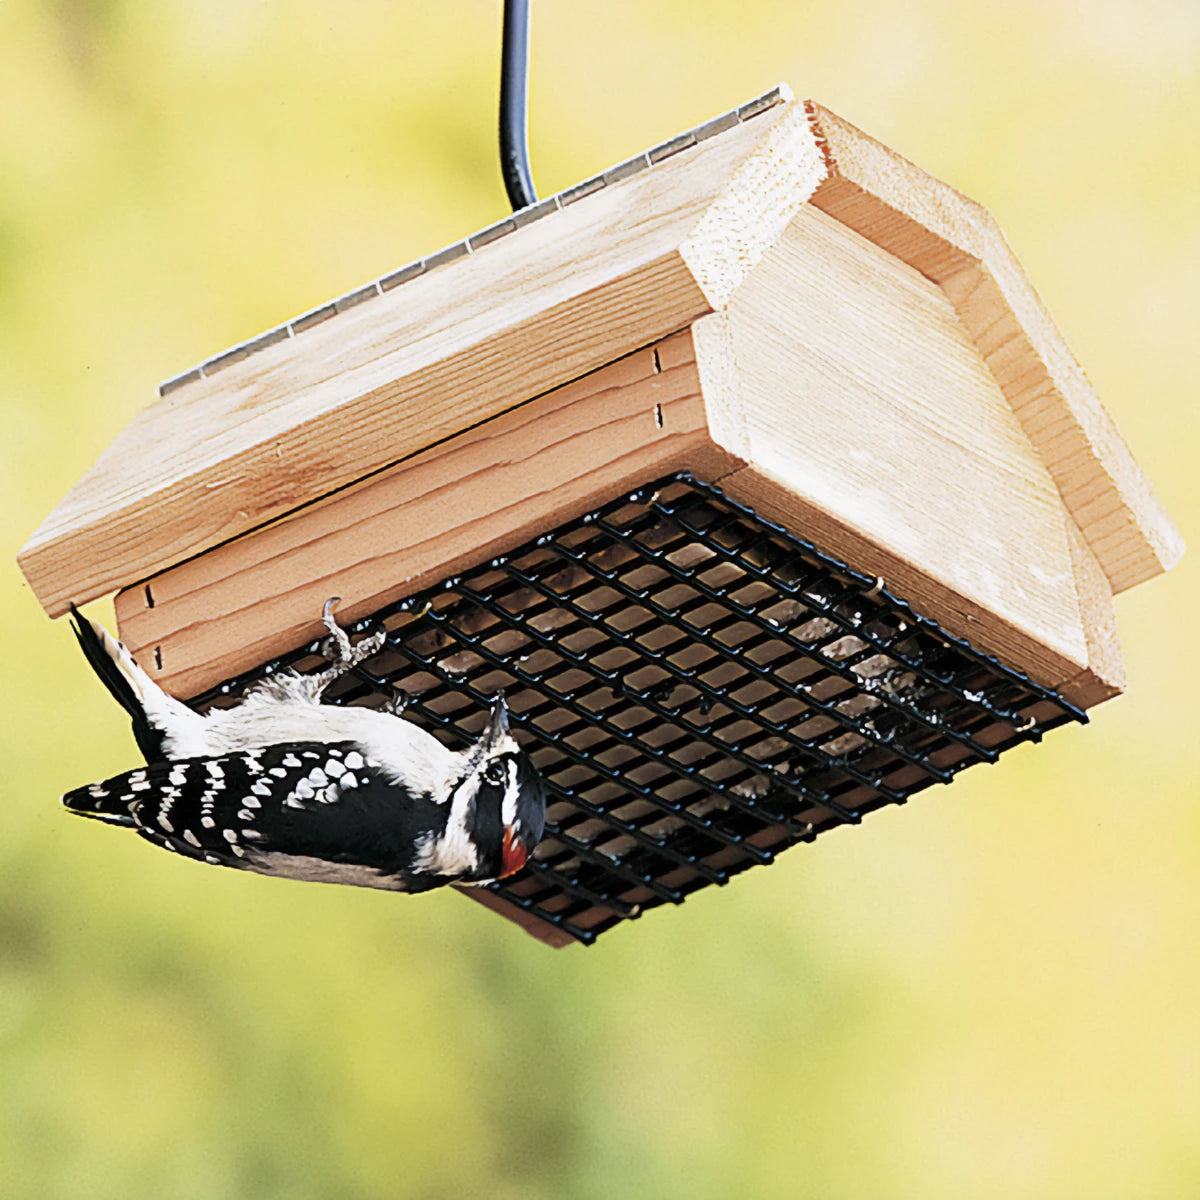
column 282, row 784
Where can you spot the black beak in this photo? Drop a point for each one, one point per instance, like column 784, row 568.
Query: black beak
column 497, row 725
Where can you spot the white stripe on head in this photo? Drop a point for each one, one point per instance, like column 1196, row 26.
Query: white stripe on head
column 508, row 806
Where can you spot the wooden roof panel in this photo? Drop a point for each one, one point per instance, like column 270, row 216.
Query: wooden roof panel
column 305, row 415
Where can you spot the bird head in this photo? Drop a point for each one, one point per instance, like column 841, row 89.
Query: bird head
column 510, row 802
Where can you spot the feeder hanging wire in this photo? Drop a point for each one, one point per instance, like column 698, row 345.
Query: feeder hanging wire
column 514, row 106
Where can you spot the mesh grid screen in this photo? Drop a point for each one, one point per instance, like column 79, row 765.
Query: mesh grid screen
column 699, row 688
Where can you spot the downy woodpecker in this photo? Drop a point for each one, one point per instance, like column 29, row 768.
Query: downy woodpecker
column 284, row 785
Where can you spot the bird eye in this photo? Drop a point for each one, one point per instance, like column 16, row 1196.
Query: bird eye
column 494, row 773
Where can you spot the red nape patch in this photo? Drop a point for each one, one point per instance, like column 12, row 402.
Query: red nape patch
column 512, row 854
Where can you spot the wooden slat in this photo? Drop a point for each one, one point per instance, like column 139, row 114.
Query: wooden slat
column 541, row 306
column 957, row 243
column 870, row 424
column 436, row 514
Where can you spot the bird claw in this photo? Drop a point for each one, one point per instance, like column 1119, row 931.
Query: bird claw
column 339, row 650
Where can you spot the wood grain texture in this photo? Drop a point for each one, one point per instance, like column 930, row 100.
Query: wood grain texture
column 871, row 414
column 543, row 305
column 713, row 347
column 957, row 244
column 440, row 512
column 755, row 205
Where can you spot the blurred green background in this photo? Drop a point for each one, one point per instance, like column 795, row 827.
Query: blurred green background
column 992, row 993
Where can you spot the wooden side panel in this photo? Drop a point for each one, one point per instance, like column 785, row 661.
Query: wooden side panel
column 441, row 511
column 871, row 424
column 957, row 244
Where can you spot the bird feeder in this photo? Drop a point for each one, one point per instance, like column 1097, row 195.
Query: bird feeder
column 753, row 468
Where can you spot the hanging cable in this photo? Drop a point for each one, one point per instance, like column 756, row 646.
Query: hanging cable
column 514, row 107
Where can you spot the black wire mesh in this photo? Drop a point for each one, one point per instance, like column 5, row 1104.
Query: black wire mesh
column 699, row 688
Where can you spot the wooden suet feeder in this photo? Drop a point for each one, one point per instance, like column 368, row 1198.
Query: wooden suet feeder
column 753, row 468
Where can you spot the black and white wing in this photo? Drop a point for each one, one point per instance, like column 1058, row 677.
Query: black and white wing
column 309, row 810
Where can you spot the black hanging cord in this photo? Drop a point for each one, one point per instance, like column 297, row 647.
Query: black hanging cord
column 514, row 123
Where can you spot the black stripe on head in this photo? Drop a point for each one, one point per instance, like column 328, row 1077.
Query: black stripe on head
column 485, row 823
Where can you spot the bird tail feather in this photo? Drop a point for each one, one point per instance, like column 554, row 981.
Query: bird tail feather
column 151, row 710
column 100, row 802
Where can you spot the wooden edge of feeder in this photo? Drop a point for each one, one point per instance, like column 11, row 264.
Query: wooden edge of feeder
column 548, row 934
column 958, row 244
column 1104, row 676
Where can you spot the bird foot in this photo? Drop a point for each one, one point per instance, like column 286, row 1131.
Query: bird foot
column 341, row 653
